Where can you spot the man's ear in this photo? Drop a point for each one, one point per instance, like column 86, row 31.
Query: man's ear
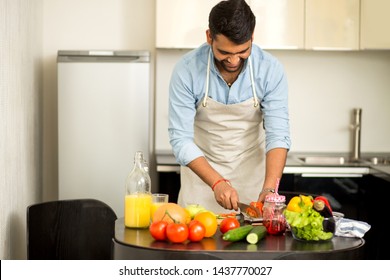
column 208, row 37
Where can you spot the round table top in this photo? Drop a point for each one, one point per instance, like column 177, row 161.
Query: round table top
column 139, row 244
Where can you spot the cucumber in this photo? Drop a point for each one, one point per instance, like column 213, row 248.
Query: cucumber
column 237, row 234
column 256, row 234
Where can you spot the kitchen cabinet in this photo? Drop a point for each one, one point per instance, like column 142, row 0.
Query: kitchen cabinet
column 283, row 24
column 374, row 26
column 332, row 24
column 279, row 23
column 182, row 23
column 307, row 24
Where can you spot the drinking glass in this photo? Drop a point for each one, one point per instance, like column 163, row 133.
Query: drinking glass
column 158, row 199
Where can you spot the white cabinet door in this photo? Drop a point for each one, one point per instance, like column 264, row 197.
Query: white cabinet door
column 375, row 24
column 332, row 24
column 279, row 23
column 182, row 23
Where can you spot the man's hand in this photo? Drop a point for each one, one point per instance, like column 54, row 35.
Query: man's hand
column 226, row 196
column 262, row 196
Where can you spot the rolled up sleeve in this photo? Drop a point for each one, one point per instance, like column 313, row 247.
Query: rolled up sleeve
column 182, row 110
column 275, row 108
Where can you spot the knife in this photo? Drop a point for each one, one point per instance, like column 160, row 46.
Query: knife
column 249, row 210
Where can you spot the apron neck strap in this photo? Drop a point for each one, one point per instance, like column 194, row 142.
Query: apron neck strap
column 204, row 102
column 255, row 101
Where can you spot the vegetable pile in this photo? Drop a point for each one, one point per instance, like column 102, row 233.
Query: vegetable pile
column 306, row 222
column 175, row 224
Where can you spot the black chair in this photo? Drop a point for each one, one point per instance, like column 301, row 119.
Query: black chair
column 80, row 229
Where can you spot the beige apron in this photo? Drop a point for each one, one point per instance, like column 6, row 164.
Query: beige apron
column 232, row 139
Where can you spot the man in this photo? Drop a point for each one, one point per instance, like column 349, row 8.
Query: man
column 228, row 115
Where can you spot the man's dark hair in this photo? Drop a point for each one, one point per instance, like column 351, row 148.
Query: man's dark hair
column 233, row 19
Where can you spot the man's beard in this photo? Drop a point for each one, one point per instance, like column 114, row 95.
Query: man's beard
column 226, row 67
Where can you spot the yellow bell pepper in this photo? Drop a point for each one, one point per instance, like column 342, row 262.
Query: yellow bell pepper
column 308, row 200
column 297, row 202
column 293, row 204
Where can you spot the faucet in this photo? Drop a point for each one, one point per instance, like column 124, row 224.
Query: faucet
column 356, row 133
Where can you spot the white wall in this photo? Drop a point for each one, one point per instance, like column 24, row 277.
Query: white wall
column 20, row 116
column 31, row 33
column 324, row 87
column 87, row 24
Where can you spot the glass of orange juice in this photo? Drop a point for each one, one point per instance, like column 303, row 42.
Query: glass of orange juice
column 158, row 199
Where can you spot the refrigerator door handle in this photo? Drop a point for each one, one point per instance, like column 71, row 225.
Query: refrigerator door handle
column 103, row 56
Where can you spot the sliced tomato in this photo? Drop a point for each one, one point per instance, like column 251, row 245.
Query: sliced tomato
column 251, row 212
column 258, row 205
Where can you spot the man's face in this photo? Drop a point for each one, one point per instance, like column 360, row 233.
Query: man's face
column 229, row 56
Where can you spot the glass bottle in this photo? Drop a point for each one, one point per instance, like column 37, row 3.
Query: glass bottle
column 145, row 165
column 138, row 199
column 273, row 218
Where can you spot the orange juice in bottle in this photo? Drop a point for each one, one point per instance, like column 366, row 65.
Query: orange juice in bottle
column 138, row 198
column 137, row 210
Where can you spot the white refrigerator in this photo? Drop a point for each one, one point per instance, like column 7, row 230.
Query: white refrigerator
column 103, row 119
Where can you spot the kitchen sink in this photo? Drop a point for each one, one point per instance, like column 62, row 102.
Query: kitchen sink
column 322, row 160
column 341, row 160
column 379, row 160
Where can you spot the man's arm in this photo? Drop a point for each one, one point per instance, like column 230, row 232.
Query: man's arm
column 275, row 162
column 224, row 193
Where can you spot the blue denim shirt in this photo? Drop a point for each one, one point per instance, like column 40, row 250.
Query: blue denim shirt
column 187, row 89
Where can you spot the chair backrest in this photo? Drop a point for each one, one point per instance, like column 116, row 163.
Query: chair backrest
column 79, row 229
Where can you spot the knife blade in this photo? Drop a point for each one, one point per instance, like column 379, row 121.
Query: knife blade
column 250, row 210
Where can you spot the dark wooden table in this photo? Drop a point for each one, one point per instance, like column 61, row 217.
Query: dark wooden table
column 138, row 244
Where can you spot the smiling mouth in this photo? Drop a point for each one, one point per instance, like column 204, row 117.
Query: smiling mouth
column 231, row 68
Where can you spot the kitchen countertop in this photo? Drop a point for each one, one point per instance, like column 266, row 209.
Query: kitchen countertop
column 296, row 165
column 139, row 244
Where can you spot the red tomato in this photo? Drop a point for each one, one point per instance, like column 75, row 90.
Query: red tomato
column 158, row 230
column 228, row 224
column 259, row 205
column 196, row 231
column 177, row 233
